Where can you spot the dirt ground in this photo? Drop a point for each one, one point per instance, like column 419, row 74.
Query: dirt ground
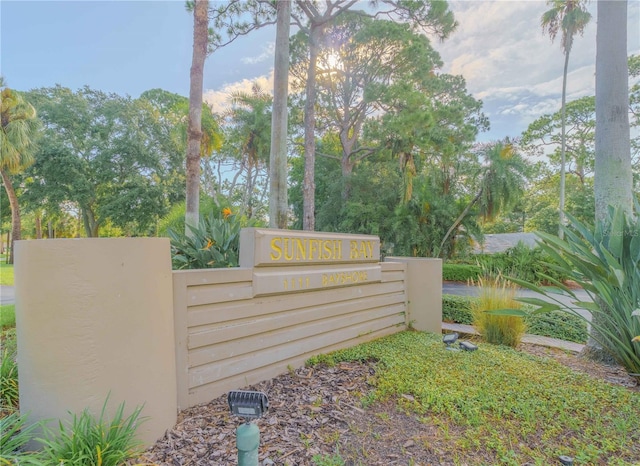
column 313, row 411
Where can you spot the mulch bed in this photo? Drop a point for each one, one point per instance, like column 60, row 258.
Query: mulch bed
column 317, row 411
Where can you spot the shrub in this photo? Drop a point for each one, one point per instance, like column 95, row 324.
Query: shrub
column 460, row 272
column 87, row 441
column 214, row 244
column 457, row 309
column 496, row 294
column 521, row 262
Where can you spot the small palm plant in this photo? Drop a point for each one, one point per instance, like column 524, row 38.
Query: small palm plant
column 497, row 293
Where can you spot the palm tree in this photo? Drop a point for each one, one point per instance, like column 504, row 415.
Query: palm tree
column 278, row 155
column 19, row 126
column 568, row 17
column 501, row 182
column 251, row 120
column 194, row 130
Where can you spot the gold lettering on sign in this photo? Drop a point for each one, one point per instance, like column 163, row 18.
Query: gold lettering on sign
column 344, row 278
column 361, row 249
column 305, row 249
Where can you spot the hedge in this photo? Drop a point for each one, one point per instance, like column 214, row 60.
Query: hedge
column 557, row 324
column 460, row 272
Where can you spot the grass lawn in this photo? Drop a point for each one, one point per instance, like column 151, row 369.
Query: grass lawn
column 501, row 406
column 6, row 274
column 7, row 316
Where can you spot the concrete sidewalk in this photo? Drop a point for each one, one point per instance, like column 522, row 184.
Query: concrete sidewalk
column 534, row 339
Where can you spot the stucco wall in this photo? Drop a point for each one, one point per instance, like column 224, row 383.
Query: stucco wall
column 94, row 318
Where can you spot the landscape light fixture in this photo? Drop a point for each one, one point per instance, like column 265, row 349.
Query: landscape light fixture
column 248, row 405
column 449, row 339
column 467, row 346
column 566, row 460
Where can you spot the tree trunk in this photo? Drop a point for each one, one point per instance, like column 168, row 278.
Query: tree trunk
column 51, row 234
column 563, row 142
column 278, row 203
column 612, row 179
column 91, row 226
column 15, row 214
column 459, row 220
column 38, row 225
column 309, row 184
column 194, row 130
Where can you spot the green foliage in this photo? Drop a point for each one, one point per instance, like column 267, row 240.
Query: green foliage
column 328, row 460
column 86, row 440
column 460, row 272
column 556, row 324
column 214, row 244
column 497, row 294
column 605, row 261
column 14, row 435
column 497, row 400
column 457, row 309
column 111, row 156
column 174, row 220
column 7, row 316
column 8, row 379
column 520, row 261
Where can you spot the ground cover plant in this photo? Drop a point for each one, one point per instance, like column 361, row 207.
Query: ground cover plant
column 512, row 407
column 556, row 324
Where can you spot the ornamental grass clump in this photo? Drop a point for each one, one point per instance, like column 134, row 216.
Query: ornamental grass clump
column 497, row 293
column 90, row 441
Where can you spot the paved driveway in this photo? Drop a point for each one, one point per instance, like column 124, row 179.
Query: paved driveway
column 7, row 295
column 461, row 289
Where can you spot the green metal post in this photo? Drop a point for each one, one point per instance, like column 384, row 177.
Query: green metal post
column 247, row 442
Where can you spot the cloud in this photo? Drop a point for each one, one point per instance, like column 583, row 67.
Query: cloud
column 218, row 100
column 508, row 63
column 267, row 54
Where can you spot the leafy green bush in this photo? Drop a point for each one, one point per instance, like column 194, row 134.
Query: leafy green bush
column 457, row 309
column 87, row 441
column 556, row 324
column 605, row 261
column 460, row 272
column 522, row 262
column 214, row 244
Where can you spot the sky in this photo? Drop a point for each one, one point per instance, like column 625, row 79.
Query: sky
column 128, row 47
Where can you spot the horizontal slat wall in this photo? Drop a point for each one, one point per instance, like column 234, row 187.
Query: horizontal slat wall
column 226, row 339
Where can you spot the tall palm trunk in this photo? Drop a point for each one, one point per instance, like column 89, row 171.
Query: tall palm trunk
column 278, row 203
column 309, row 184
column 15, row 213
column 613, row 181
column 563, row 142
column 194, row 130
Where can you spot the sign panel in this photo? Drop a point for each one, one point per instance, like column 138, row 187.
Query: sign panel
column 261, row 247
column 289, row 279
